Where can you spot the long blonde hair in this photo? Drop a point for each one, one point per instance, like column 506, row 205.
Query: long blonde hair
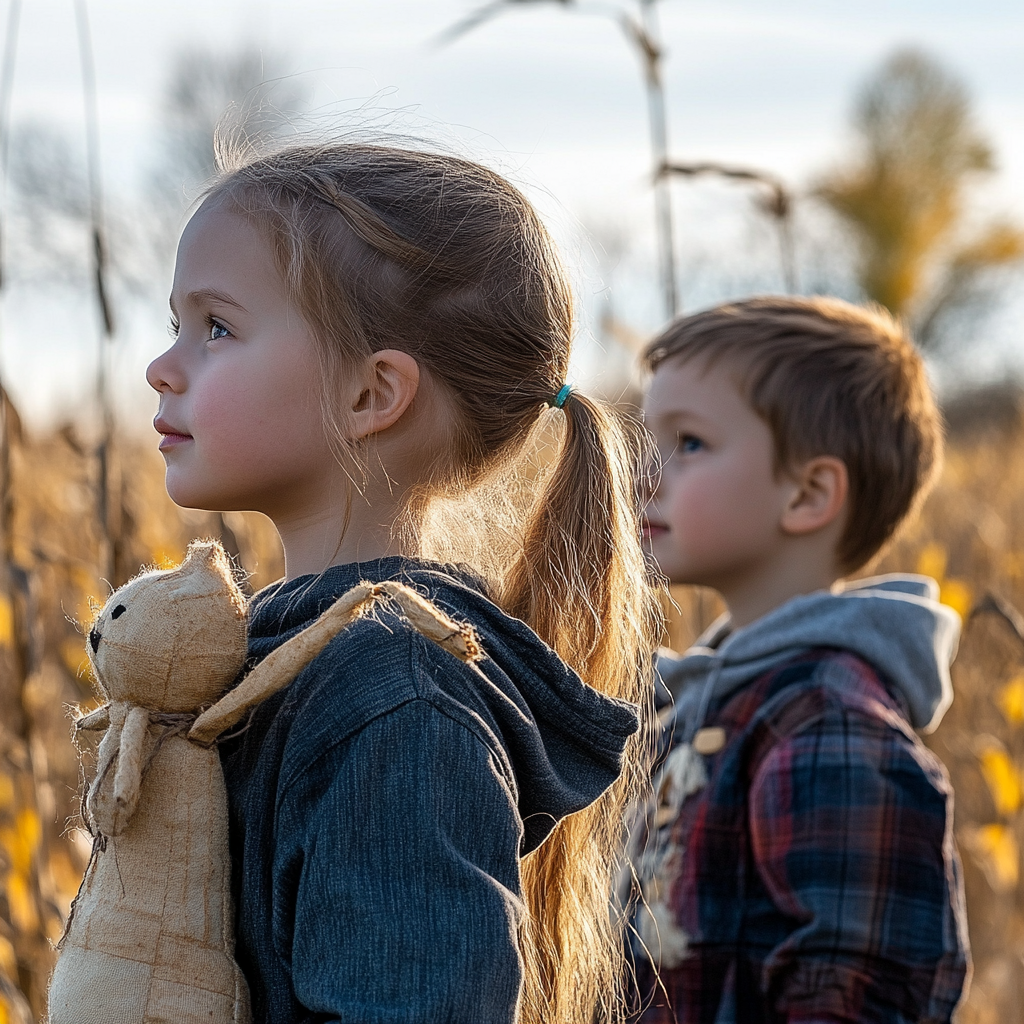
column 393, row 248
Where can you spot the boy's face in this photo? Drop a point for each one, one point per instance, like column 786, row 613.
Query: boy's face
column 715, row 516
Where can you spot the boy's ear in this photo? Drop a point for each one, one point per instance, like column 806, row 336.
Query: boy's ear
column 819, row 495
column 389, row 385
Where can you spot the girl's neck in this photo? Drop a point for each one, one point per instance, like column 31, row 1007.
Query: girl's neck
column 314, row 542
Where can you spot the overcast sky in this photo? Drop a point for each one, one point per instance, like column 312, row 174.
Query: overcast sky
column 552, row 98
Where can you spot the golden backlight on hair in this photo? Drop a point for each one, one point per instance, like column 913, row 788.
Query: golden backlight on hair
column 443, row 259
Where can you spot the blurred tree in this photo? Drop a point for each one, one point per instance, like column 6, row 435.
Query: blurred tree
column 243, row 95
column 905, row 194
column 210, row 98
column 49, row 206
column 205, row 94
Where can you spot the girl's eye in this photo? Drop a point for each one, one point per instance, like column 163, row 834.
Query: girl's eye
column 173, row 326
column 687, row 444
column 217, row 329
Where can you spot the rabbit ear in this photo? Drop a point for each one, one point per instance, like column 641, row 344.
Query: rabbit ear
column 206, row 554
column 208, row 570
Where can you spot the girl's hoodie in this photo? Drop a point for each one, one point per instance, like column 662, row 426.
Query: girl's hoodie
column 380, row 804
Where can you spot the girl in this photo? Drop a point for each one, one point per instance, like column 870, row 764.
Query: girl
column 366, row 337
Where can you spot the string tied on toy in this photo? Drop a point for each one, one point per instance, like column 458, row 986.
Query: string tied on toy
column 282, row 665
column 133, row 737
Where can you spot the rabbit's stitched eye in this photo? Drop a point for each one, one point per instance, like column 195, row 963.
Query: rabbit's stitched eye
column 119, row 610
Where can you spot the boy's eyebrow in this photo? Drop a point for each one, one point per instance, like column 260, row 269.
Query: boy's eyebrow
column 668, row 415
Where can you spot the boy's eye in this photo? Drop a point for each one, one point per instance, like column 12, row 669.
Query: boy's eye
column 687, row 444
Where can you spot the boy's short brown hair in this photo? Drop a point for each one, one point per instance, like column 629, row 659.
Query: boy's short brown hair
column 829, row 378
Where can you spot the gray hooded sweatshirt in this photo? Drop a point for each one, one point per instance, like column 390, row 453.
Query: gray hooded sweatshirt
column 895, row 623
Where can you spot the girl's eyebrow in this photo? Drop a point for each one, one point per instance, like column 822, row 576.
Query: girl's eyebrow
column 204, row 295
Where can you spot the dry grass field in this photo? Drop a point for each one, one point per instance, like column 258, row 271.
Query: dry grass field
column 970, row 536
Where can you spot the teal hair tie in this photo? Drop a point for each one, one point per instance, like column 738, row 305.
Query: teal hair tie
column 559, row 400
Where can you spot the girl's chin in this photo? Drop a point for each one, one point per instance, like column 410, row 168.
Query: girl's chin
column 186, row 494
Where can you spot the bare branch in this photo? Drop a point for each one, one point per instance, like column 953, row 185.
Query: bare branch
column 485, row 14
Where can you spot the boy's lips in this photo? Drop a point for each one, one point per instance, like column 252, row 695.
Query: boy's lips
column 172, row 436
column 651, row 528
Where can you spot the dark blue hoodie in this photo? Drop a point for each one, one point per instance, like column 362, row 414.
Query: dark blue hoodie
column 380, row 805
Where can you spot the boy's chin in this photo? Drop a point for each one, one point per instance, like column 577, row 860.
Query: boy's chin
column 681, row 574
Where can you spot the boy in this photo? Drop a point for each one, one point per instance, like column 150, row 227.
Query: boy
column 797, row 863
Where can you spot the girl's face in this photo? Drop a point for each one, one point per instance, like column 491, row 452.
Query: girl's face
column 240, row 414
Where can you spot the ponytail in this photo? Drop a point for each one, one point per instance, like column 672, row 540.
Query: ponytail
column 581, row 583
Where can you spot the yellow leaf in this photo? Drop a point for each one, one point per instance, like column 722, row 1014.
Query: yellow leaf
column 21, row 904
column 1011, row 700
column 8, row 960
column 957, row 595
column 29, row 828
column 18, row 854
column 6, row 622
column 5, row 1016
column 1003, row 780
column 932, row 561
column 995, row 849
column 6, row 791
column 21, row 840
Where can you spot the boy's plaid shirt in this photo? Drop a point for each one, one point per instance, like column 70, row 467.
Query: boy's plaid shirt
column 814, row 878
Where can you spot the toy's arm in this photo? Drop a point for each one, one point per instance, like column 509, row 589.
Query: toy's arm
column 281, row 666
column 114, row 793
column 95, row 720
column 130, row 758
column 99, row 805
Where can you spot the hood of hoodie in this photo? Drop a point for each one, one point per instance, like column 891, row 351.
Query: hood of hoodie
column 895, row 623
column 563, row 739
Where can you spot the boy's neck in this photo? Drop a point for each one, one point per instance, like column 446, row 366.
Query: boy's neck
column 751, row 594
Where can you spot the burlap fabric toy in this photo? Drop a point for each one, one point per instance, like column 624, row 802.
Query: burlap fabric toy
column 150, row 939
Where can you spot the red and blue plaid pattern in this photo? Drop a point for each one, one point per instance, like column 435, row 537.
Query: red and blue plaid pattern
column 818, row 879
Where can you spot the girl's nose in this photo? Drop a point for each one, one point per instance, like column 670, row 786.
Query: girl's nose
column 163, row 374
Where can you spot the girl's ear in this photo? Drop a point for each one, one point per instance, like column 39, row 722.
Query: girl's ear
column 390, row 382
column 819, row 495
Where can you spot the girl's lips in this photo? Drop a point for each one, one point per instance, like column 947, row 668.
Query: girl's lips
column 170, row 437
column 173, row 440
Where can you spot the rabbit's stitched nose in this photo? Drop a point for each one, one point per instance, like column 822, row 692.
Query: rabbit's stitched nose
column 94, row 639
